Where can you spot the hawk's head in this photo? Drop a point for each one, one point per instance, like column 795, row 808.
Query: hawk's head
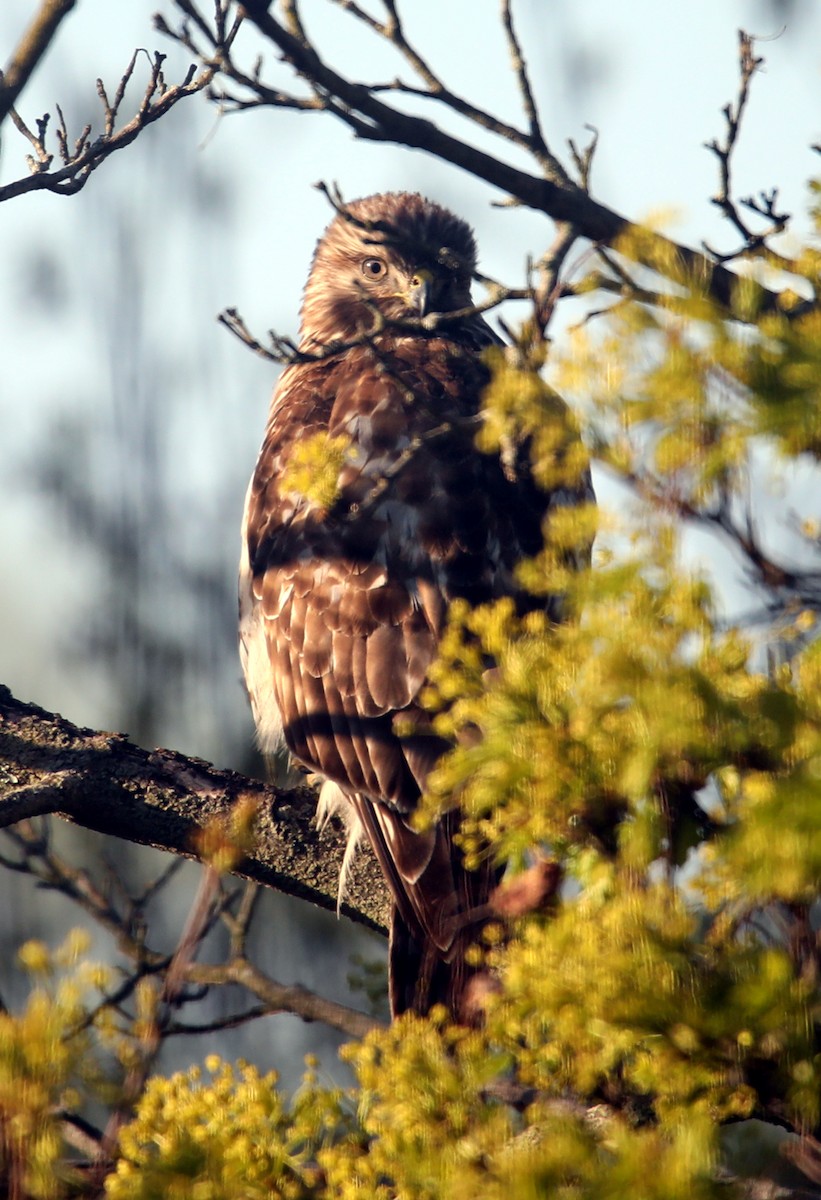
column 398, row 254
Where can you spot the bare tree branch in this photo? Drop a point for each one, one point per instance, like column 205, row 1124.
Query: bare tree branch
column 163, row 799
column 537, row 144
column 765, row 206
column 280, row 997
column 32, row 46
column 789, row 586
column 81, row 159
column 363, row 109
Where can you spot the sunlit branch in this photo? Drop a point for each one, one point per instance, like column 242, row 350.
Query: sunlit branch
column 279, row 997
column 160, row 798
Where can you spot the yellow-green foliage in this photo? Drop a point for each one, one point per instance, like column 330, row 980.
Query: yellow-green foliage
column 228, row 1136
column 432, row 1132
column 620, row 985
column 435, row 1129
column 418, row 1126
column 313, row 468
column 682, row 389
column 782, row 369
column 42, row 1060
column 519, row 406
column 581, row 722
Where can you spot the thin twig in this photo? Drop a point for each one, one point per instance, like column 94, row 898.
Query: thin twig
column 537, row 144
column 549, row 267
column 219, row 1024
column 583, row 159
column 765, row 206
column 392, row 30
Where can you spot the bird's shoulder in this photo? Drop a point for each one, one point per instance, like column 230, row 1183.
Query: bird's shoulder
column 381, row 391
column 382, row 362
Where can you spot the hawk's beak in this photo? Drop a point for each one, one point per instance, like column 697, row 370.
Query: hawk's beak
column 420, row 292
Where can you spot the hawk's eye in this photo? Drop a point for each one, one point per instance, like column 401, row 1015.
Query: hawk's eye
column 373, row 268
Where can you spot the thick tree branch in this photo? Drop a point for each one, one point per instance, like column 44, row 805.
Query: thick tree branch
column 163, row 799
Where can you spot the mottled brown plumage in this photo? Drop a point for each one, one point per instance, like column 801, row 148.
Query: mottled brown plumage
column 341, row 611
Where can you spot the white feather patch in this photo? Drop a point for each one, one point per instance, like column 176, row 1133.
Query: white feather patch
column 333, row 802
column 253, row 650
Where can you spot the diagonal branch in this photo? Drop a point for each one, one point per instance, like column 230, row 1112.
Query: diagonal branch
column 361, row 107
column 163, row 799
column 284, row 997
column 85, row 156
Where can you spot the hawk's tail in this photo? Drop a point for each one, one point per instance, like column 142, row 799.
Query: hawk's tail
column 439, row 909
column 420, row 977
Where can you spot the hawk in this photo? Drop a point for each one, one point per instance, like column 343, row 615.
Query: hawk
column 342, row 604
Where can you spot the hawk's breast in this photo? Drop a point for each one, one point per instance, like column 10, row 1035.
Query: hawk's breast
column 346, row 605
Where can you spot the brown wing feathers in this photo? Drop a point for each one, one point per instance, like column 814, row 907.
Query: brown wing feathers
column 346, row 607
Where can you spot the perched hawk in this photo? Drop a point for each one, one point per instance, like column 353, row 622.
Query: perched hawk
column 342, row 606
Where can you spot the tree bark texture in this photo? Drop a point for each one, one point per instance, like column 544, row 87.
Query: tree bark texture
column 161, row 798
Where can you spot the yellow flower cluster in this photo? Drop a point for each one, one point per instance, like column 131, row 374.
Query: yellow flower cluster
column 227, row 1135
column 43, row 1053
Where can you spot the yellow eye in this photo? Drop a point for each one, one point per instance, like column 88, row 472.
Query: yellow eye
column 373, row 268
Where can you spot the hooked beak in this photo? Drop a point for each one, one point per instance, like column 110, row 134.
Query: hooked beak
column 420, row 292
